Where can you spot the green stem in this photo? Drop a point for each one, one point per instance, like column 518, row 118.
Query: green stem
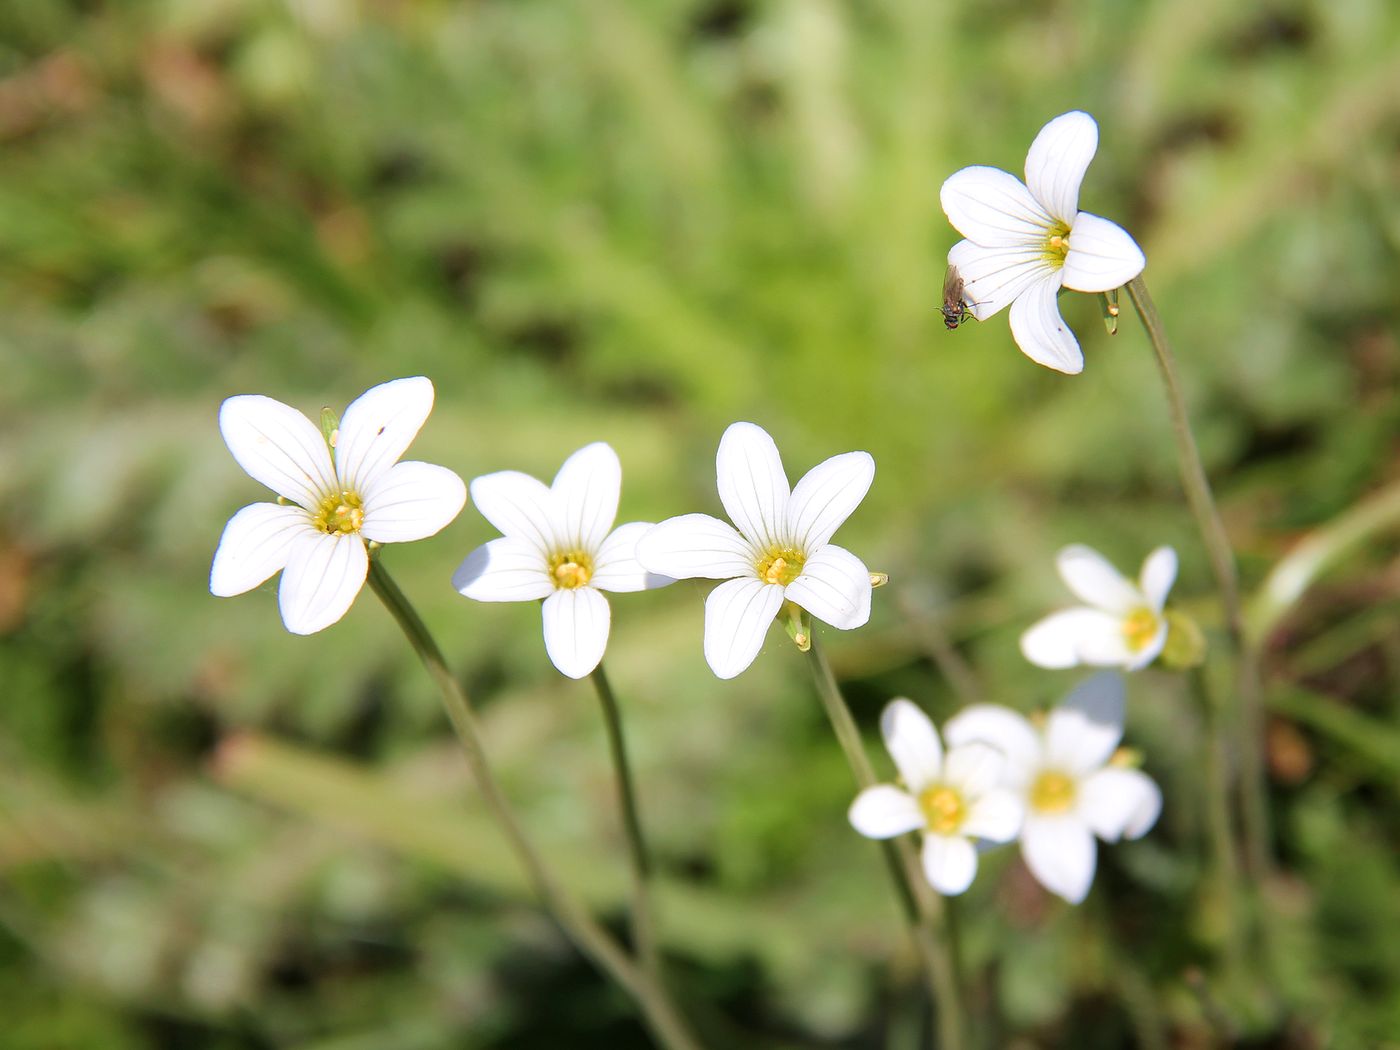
column 590, row 938
column 923, row 908
column 1220, row 832
column 1250, row 723
column 643, row 923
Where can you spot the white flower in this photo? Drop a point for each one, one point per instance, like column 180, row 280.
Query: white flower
column 338, row 498
column 779, row 551
column 1121, row 626
column 1062, row 773
column 1027, row 240
column 557, row 543
column 952, row 800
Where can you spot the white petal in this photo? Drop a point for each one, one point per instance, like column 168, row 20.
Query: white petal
column 950, row 863
column 1041, row 332
column 279, row 447
column 1158, row 575
column 1061, row 855
column 323, row 575
column 504, row 570
column 913, row 744
column 1102, row 255
column 1057, row 161
column 834, row 586
column 974, row 768
column 519, row 506
column 411, row 501
column 996, row 816
column 1083, row 731
column 1119, row 803
column 752, row 484
column 883, row 811
column 738, row 614
column 993, row 208
column 994, row 277
column 615, row 566
column 1107, row 646
column 1148, row 809
column 696, row 545
column 1001, row 727
column 1094, row 581
column 255, row 544
column 378, row 427
column 576, row 626
column 826, row 496
column 586, row 492
column 1067, row 639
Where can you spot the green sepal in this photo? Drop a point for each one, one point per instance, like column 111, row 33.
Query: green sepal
column 1186, row 642
column 797, row 624
column 1108, row 304
column 330, row 426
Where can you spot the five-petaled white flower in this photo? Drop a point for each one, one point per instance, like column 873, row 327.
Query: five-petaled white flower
column 338, row 498
column 558, row 543
column 780, row 549
column 1063, row 774
column 1122, row 625
column 1027, row 240
column 952, row 799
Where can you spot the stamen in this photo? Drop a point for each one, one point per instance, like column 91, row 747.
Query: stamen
column 340, row 512
column 1140, row 628
column 780, row 565
column 1056, row 245
column 570, row 569
column 944, row 809
column 1052, row 792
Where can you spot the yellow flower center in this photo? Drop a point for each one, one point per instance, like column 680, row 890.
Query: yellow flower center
column 944, row 809
column 1052, row 792
column 570, row 569
column 780, row 565
column 1056, row 244
column 340, row 512
column 1140, row 627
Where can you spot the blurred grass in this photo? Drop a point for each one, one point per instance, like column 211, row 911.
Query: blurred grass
column 639, row 222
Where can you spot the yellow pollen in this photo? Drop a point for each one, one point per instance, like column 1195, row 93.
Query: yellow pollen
column 1057, row 244
column 944, row 809
column 570, row 569
column 1140, row 627
column 780, row 565
column 1052, row 792
column 340, row 512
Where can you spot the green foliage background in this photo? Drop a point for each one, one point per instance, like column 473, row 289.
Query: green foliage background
column 637, row 221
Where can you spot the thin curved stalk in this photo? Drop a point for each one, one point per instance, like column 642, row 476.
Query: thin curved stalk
column 1250, row 723
column 590, row 937
column 643, row 920
column 923, row 909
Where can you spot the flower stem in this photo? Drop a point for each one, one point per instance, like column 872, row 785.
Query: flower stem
column 643, row 922
column 595, row 942
column 923, row 909
column 1250, row 723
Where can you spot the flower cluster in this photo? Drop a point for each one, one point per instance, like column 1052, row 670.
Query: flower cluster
column 1053, row 788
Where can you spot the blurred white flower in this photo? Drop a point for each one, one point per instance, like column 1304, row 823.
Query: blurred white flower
column 1027, row 240
column 337, row 498
column 780, row 549
column 952, row 799
column 1062, row 773
column 1121, row 626
column 558, row 543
